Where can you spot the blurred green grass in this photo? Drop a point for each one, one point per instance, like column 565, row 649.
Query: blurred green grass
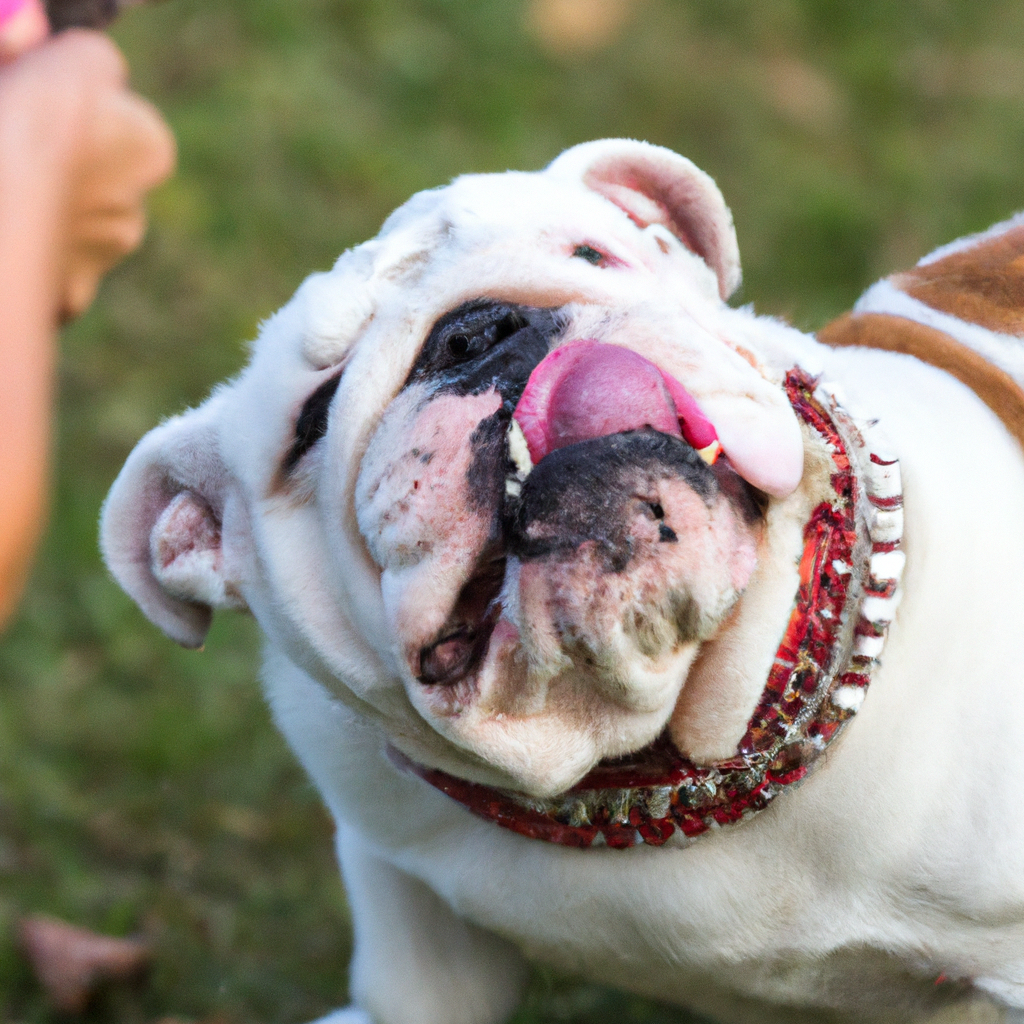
column 142, row 787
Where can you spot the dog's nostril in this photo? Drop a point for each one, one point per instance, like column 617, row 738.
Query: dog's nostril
column 449, row 659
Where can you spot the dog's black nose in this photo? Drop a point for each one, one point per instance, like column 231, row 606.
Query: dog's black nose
column 589, row 491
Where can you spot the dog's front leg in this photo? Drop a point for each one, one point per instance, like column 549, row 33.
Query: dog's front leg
column 415, row 961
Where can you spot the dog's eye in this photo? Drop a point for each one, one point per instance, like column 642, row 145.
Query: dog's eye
column 590, row 254
column 312, row 422
column 459, row 345
column 483, row 344
column 470, row 337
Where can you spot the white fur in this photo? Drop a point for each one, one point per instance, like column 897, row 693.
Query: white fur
column 899, row 860
column 970, row 241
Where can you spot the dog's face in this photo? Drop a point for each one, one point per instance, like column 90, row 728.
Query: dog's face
column 468, row 480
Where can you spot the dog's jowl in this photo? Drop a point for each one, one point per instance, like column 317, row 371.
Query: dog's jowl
column 585, row 604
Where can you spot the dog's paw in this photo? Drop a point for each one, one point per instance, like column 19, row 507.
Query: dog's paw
column 346, row 1015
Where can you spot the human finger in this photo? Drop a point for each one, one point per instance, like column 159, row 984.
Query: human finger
column 23, row 24
column 110, row 240
column 128, row 150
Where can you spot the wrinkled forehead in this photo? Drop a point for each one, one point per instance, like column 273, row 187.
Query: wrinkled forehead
column 478, row 208
column 484, row 234
column 507, row 237
column 444, row 236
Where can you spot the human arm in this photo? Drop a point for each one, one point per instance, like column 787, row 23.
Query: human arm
column 78, row 152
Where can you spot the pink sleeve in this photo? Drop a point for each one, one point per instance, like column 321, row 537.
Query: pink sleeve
column 9, row 8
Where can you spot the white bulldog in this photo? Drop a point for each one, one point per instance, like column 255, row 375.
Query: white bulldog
column 567, row 569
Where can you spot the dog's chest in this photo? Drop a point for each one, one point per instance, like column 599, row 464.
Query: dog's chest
column 678, row 922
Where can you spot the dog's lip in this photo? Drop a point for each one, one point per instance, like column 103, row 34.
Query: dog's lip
column 462, row 643
column 457, row 652
column 587, row 389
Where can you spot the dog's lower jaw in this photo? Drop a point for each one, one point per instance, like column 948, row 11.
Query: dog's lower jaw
column 551, row 698
column 540, row 754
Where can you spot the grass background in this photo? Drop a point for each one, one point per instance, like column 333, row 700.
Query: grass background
column 142, row 787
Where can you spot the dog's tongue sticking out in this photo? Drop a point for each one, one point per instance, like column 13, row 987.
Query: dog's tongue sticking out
column 589, row 389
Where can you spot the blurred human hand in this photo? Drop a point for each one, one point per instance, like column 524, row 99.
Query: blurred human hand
column 23, row 24
column 85, row 150
column 78, row 153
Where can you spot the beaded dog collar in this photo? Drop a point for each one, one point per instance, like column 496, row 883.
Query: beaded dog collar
column 849, row 574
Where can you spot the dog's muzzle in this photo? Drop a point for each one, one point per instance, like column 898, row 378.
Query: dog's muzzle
column 557, row 536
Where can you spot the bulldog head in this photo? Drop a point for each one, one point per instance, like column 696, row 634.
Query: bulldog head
column 511, row 479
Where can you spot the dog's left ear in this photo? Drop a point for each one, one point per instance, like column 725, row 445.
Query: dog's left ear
column 166, row 522
column 653, row 185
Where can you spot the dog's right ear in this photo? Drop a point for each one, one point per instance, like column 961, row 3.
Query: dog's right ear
column 161, row 530
column 653, row 185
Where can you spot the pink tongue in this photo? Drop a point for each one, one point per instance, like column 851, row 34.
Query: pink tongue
column 587, row 389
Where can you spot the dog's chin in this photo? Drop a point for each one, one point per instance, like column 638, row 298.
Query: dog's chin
column 547, row 753
column 570, row 641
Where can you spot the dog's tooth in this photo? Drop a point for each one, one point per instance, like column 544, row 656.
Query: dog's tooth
column 711, row 453
column 519, row 450
column 513, row 488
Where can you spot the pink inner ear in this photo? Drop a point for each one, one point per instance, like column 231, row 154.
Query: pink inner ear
column 641, row 209
column 652, row 185
column 186, row 525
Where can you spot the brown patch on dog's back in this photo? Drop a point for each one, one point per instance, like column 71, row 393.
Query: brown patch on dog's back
column 982, row 284
column 996, row 388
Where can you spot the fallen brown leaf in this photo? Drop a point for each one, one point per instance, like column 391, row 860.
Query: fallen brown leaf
column 71, row 963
